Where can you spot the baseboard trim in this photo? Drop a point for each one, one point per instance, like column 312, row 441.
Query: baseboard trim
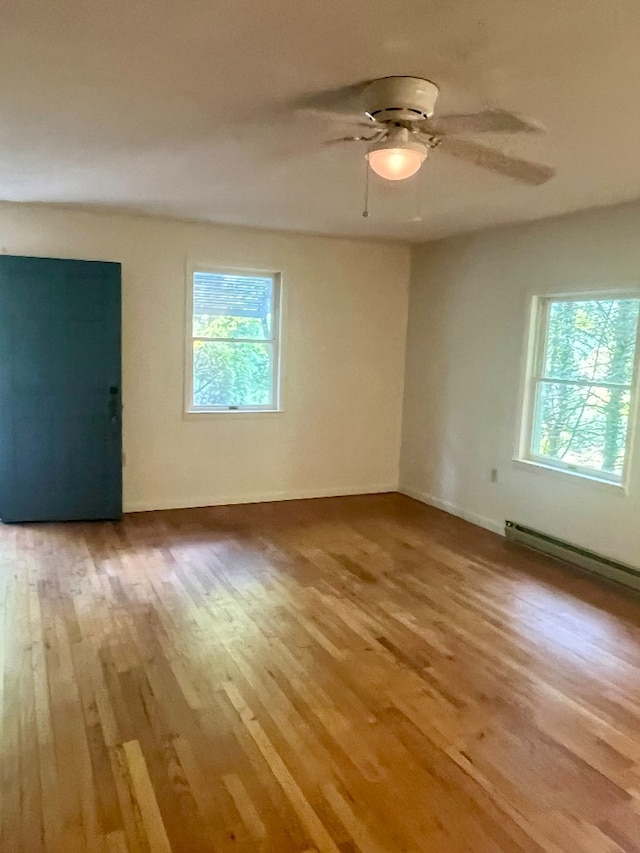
column 453, row 509
column 258, row 497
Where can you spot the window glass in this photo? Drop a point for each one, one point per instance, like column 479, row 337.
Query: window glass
column 582, row 384
column 234, row 353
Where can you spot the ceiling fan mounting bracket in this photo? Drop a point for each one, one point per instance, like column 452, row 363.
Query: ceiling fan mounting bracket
column 400, row 99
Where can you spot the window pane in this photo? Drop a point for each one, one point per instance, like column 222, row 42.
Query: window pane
column 581, row 425
column 232, row 374
column 232, row 306
column 592, row 340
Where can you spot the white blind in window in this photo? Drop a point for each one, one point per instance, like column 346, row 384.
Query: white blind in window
column 228, row 295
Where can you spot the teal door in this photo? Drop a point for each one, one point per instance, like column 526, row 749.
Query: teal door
column 60, row 409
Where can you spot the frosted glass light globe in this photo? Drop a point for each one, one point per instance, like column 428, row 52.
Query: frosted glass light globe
column 396, row 164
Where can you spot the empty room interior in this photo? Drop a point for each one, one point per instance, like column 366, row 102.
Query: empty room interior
column 319, row 426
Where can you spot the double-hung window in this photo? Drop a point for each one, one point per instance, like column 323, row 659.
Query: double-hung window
column 581, row 384
column 233, row 342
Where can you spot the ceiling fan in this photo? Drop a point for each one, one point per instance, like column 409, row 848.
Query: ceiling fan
column 397, row 113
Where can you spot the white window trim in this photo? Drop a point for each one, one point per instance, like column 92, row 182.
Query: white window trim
column 535, row 345
column 275, row 406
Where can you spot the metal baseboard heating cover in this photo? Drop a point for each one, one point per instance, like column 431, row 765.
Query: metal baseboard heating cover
column 582, row 557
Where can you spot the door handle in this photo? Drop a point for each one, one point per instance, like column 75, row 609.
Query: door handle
column 114, row 404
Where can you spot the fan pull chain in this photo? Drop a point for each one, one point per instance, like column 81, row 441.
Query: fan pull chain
column 418, row 184
column 365, row 212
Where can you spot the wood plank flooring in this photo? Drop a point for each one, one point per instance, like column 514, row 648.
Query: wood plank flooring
column 350, row 674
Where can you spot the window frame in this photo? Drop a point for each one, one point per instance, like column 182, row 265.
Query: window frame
column 275, row 404
column 536, row 346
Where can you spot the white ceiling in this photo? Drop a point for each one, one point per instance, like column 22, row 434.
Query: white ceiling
column 189, row 107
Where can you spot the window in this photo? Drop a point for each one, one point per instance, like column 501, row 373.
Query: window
column 581, row 384
column 233, row 341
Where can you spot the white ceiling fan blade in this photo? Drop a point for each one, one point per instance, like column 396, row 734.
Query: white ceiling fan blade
column 487, row 121
column 375, row 137
column 351, row 119
column 488, row 158
column 341, row 104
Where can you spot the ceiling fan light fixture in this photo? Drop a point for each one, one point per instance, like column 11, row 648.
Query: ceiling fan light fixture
column 397, row 157
column 397, row 164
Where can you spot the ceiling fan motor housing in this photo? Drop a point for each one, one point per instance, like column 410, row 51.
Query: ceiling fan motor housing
column 400, row 99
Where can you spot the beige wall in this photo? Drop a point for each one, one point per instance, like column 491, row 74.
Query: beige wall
column 468, row 311
column 345, row 308
column 345, row 312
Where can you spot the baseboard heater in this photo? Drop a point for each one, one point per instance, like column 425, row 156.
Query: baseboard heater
column 589, row 560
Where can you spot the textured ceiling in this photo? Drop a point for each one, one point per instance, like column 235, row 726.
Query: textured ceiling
column 189, row 108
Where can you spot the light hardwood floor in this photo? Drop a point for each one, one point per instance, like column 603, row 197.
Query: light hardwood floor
column 350, row 674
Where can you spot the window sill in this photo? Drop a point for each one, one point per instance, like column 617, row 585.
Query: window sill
column 203, row 414
column 576, row 477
